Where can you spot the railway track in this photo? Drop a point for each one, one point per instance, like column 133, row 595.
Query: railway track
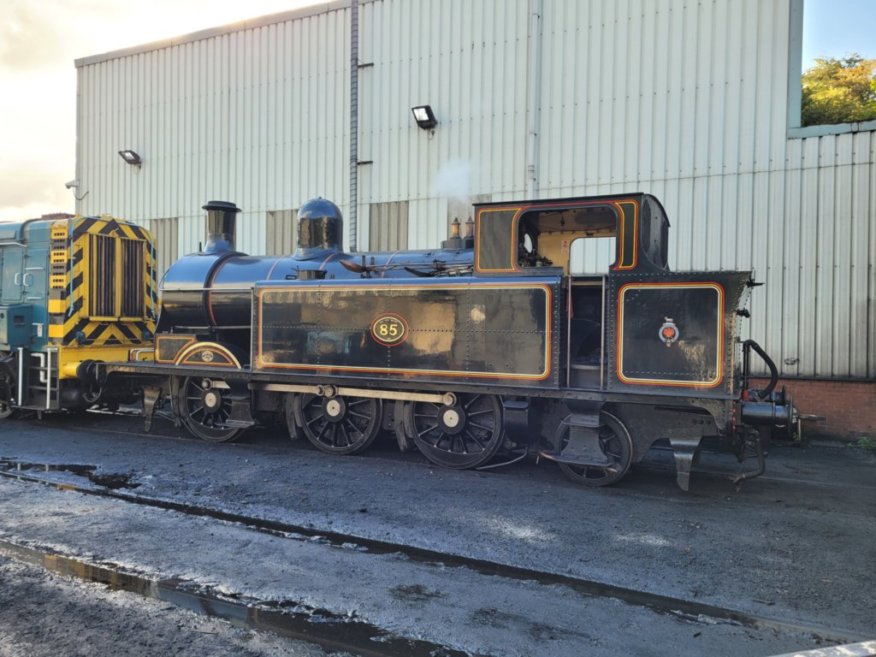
column 313, row 624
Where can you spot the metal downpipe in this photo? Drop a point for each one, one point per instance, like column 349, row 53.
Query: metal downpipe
column 354, row 124
column 533, row 92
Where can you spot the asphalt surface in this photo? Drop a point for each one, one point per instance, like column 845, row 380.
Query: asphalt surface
column 796, row 544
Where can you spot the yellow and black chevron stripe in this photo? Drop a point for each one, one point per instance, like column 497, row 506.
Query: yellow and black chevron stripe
column 102, row 290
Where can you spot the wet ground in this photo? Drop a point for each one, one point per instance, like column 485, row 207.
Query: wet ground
column 794, row 548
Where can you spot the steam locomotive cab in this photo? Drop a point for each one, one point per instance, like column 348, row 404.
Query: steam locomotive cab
column 490, row 343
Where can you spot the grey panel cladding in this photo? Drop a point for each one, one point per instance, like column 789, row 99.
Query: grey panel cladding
column 388, row 226
column 165, row 233
column 281, row 232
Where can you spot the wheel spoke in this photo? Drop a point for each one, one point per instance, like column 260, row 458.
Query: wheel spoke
column 475, row 438
column 315, row 418
column 471, row 401
column 481, row 427
column 333, row 435
column 357, row 433
column 346, row 433
column 423, row 433
column 441, row 436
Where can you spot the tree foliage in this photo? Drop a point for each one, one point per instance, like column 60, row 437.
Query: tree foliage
column 839, row 91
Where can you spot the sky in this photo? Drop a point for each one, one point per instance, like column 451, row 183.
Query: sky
column 835, row 28
column 39, row 39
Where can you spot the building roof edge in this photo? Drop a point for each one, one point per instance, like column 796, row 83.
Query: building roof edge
column 248, row 24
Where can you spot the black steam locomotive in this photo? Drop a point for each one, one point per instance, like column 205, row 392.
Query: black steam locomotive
column 487, row 344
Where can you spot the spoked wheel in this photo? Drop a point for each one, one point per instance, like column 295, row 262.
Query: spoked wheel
column 464, row 435
column 6, row 410
column 205, row 408
column 617, row 446
column 338, row 425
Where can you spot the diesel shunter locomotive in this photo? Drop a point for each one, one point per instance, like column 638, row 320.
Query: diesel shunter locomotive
column 73, row 292
column 487, row 344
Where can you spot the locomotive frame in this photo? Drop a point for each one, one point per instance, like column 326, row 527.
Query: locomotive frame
column 588, row 371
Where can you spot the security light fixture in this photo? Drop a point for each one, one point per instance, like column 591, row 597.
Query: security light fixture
column 131, row 157
column 424, row 116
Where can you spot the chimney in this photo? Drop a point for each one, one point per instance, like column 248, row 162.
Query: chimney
column 220, row 226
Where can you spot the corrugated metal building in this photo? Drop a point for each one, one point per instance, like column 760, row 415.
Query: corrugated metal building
column 695, row 102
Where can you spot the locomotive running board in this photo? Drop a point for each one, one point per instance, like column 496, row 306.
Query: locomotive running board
column 341, row 391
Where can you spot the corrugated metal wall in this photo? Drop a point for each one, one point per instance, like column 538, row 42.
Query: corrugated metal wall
column 281, row 232
column 388, row 226
column 686, row 100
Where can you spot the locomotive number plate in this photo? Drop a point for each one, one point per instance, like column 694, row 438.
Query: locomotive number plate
column 389, row 330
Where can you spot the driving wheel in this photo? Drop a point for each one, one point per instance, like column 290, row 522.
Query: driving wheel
column 205, row 407
column 338, row 425
column 463, row 435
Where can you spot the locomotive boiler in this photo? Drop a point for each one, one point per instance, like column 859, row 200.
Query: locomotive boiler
column 490, row 343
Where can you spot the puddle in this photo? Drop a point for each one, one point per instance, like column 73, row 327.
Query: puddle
column 286, row 618
column 111, row 481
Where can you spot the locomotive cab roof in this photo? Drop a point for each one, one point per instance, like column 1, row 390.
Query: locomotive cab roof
column 529, row 236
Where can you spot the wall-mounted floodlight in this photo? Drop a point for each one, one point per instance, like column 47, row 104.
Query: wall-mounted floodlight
column 424, row 116
column 131, row 157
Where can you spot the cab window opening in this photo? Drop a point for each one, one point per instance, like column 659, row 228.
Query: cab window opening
column 579, row 240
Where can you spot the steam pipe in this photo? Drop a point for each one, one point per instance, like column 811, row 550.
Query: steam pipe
column 748, row 345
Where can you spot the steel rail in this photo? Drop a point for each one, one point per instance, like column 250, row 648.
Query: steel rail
column 289, row 618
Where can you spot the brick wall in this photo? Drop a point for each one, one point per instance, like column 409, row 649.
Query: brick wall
column 849, row 407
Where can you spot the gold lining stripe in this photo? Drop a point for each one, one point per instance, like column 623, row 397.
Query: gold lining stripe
column 198, row 347
column 719, row 376
column 521, row 209
column 546, row 372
